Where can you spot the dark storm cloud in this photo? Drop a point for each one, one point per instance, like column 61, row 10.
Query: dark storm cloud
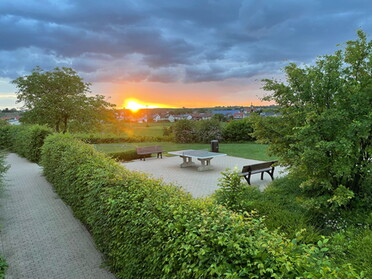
column 167, row 41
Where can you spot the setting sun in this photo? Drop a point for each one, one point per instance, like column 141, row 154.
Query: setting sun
column 135, row 105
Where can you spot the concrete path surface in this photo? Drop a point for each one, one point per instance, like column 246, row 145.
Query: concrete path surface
column 199, row 184
column 39, row 237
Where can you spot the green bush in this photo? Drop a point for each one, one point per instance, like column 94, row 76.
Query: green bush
column 28, row 140
column 188, row 131
column 185, row 131
column 238, row 131
column 208, row 130
column 353, row 245
column 3, row 169
column 111, row 138
column 6, row 136
column 148, row 229
column 278, row 204
column 127, row 155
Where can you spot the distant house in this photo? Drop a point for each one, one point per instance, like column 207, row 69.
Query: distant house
column 201, row 116
column 160, row 117
column 238, row 115
column 173, row 118
column 225, row 112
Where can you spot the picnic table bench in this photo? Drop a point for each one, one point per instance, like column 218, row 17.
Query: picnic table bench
column 248, row 170
column 148, row 150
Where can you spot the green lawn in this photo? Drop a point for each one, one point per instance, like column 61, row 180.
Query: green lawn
column 143, row 129
column 248, row 150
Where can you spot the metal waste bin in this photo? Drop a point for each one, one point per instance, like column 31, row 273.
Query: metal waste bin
column 214, row 146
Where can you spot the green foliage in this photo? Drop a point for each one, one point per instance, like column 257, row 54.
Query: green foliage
column 127, row 155
column 148, row 229
column 278, row 205
column 353, row 245
column 5, row 136
column 185, row 131
column 3, row 169
column 26, row 140
column 188, row 131
column 238, row 131
column 3, row 123
column 324, row 133
column 3, row 268
column 111, row 138
column 208, row 130
column 230, row 189
column 58, row 99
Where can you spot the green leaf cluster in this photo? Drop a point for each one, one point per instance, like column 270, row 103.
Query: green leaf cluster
column 58, row 99
column 324, row 133
column 239, row 130
column 189, row 131
column 148, row 229
column 97, row 138
column 26, row 140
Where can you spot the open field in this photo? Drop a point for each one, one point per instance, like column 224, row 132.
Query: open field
column 248, row 150
column 146, row 129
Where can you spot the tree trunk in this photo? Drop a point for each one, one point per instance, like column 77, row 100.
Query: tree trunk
column 65, row 124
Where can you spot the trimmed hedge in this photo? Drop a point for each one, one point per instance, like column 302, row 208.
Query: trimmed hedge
column 25, row 140
column 148, row 229
column 107, row 138
column 127, row 155
column 6, row 136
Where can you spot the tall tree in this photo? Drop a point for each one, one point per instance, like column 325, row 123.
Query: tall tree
column 58, row 98
column 324, row 132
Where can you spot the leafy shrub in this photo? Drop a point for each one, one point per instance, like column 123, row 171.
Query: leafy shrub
column 238, row 131
column 3, row 169
column 27, row 140
column 278, row 204
column 188, row 131
column 6, row 136
column 4, row 123
column 185, row 131
column 127, row 155
column 208, row 130
column 3, row 267
column 111, row 138
column 230, row 189
column 353, row 245
column 148, row 229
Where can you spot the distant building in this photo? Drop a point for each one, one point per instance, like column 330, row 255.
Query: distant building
column 238, row 115
column 225, row 112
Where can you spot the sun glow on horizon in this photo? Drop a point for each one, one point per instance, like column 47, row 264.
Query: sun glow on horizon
column 135, row 105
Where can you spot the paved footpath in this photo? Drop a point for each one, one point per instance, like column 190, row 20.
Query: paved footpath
column 40, row 238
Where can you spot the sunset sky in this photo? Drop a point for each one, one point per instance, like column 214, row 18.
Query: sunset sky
column 175, row 53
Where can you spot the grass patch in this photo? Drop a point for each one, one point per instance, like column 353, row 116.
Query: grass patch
column 248, row 150
column 146, row 129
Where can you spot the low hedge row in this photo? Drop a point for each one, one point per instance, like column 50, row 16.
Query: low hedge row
column 148, row 229
column 127, row 155
column 26, row 140
column 107, row 138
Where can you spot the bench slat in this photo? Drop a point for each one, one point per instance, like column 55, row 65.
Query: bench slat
column 146, row 150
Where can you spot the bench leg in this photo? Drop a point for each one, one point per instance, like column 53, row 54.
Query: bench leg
column 248, row 178
column 271, row 173
column 262, row 173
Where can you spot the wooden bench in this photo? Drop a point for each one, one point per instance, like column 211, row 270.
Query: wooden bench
column 148, row 150
column 268, row 167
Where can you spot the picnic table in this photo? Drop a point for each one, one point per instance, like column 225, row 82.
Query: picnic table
column 203, row 156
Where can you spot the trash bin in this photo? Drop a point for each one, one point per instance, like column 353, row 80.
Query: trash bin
column 214, row 146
